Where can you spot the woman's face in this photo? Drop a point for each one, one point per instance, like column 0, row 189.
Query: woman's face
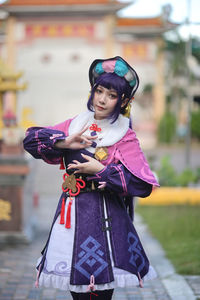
column 104, row 102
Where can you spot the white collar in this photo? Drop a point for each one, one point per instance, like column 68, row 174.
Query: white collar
column 114, row 132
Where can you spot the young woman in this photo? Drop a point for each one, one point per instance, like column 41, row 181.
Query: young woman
column 93, row 246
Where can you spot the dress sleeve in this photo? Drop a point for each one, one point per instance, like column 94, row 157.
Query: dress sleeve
column 118, row 179
column 39, row 142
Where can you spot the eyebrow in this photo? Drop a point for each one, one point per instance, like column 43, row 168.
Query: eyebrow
column 111, row 90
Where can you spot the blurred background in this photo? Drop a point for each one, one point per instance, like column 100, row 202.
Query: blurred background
column 46, row 48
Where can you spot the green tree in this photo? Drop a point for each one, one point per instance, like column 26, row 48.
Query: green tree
column 195, row 124
column 167, row 128
column 177, row 73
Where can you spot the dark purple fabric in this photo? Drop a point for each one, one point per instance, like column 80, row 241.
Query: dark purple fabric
column 127, row 150
column 90, row 238
column 128, row 253
column 91, row 253
column 120, row 180
column 39, row 142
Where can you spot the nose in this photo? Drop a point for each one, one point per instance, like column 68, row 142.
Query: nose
column 102, row 98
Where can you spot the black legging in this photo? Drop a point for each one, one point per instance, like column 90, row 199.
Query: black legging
column 102, row 295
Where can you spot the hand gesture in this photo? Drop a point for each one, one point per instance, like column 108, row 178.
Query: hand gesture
column 92, row 166
column 76, row 141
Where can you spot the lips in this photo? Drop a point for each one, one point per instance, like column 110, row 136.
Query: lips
column 100, row 108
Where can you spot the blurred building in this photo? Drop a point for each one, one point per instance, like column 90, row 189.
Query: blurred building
column 54, row 42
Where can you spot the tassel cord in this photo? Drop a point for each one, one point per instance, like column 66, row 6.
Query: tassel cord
column 62, row 213
column 62, row 165
column 140, row 281
column 91, row 287
column 68, row 218
column 91, row 293
column 37, row 277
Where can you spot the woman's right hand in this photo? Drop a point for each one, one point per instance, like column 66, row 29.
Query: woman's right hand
column 76, row 141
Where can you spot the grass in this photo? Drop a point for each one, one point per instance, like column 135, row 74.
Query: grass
column 177, row 227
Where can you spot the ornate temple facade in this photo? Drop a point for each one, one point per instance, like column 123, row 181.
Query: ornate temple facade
column 54, row 42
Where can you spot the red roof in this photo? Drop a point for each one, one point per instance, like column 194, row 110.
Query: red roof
column 140, row 22
column 55, row 2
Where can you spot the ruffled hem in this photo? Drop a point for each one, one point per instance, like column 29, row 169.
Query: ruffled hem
column 121, row 280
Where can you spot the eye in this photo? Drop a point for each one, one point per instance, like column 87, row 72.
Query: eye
column 113, row 95
column 98, row 91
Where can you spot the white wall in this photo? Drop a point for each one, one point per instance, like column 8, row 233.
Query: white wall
column 58, row 89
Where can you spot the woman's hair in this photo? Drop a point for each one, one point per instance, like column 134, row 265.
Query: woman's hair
column 112, row 81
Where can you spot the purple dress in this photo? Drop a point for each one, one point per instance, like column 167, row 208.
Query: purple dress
column 102, row 240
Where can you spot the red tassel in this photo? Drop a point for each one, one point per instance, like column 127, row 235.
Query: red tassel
column 62, row 213
column 91, row 293
column 68, row 220
column 62, row 166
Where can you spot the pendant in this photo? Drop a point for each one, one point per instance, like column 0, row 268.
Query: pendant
column 70, row 183
column 101, row 153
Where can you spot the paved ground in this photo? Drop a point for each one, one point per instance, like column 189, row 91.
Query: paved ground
column 17, row 274
column 194, row 282
column 17, row 264
column 17, row 278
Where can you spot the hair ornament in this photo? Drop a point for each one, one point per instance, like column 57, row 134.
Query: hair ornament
column 127, row 110
column 115, row 65
column 89, row 94
column 121, row 68
column 99, row 69
column 123, row 96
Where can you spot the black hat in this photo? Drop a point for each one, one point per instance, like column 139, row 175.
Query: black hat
column 115, row 65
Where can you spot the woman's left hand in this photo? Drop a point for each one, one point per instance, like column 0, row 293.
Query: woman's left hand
column 92, row 166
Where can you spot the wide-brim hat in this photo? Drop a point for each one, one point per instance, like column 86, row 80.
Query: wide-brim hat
column 115, row 65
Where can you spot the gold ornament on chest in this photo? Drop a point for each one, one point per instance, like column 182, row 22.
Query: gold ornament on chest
column 101, row 153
